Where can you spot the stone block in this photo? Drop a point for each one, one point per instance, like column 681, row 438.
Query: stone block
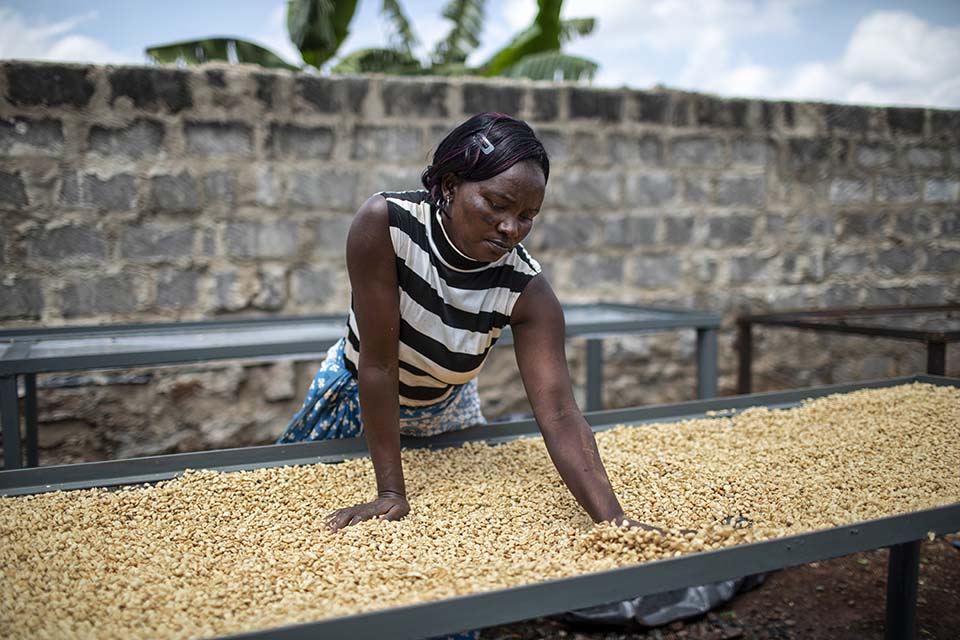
column 267, row 191
column 21, row 298
column 31, row 136
column 914, row 224
column 330, row 235
column 596, row 271
column 49, row 85
column 945, row 124
column 150, row 88
column 634, row 150
column 741, row 190
column 820, row 224
column 752, row 152
column 117, row 193
column 729, row 231
column 652, row 189
column 596, row 104
column 232, row 292
column 799, row 268
column 266, row 88
column 854, row 119
column 479, row 97
column 656, row 272
column 873, row 156
column 809, row 158
column 386, row 178
column 749, row 270
column 332, row 95
column 627, row 231
column 174, row 193
column 557, row 144
column 312, row 286
column 559, row 232
column 100, row 294
column 156, row 242
column 220, row 187
column 66, row 245
column 842, row 295
column 271, row 292
column 898, row 190
column 848, row 263
column 262, row 239
column 218, row 138
column 698, row 189
column 698, row 151
column 406, row 97
column 327, row 189
column 142, row 137
column 585, row 190
column 177, row 289
column 678, row 231
column 905, row 120
column 942, row 260
column 857, row 225
column 399, row 144
column 896, row 261
column 13, row 193
column 651, row 107
column 950, row 224
column 940, row 190
column 289, row 140
column 925, row 294
column 546, row 104
column 925, row 158
column 721, row 112
column 844, row 191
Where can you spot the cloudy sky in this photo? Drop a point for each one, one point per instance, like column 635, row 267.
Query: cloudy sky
column 880, row 51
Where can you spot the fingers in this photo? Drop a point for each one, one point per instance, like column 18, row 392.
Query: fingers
column 395, row 512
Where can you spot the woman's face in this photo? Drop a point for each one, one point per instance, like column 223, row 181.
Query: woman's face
column 487, row 219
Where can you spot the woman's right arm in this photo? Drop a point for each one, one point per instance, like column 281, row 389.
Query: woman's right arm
column 371, row 264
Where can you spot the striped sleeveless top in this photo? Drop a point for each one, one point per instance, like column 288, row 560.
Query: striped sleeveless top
column 452, row 308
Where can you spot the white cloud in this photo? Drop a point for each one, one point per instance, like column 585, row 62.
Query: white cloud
column 55, row 41
column 892, row 57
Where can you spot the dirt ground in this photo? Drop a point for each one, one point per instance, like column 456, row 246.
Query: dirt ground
column 839, row 599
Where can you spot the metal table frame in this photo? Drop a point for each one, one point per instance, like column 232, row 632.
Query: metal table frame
column 843, row 321
column 902, row 533
column 307, row 336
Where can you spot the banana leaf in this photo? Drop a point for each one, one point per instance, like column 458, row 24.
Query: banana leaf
column 402, row 36
column 464, row 36
column 378, row 61
column 233, row 50
column 552, row 65
column 319, row 27
column 543, row 35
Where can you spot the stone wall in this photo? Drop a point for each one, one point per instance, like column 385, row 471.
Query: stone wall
column 149, row 193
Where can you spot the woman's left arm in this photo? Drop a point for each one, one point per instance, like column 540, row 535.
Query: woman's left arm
column 538, row 329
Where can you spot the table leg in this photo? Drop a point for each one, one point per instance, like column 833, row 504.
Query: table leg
column 30, row 418
column 594, row 374
column 706, row 363
column 903, row 570
column 10, row 419
column 937, row 358
column 744, row 356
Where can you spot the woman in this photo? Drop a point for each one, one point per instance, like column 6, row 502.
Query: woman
column 435, row 276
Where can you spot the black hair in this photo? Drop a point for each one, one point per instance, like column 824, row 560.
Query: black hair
column 466, row 151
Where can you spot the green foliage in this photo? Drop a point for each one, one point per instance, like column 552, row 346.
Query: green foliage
column 209, row 49
column 552, row 65
column 464, row 35
column 319, row 27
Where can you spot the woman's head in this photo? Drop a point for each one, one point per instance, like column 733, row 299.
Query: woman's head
column 488, row 178
column 466, row 153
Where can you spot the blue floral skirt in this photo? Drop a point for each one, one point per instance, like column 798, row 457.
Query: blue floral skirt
column 332, row 407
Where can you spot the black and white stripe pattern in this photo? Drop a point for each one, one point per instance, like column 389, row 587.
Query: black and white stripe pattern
column 452, row 308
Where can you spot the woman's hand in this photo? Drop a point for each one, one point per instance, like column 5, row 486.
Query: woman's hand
column 391, row 507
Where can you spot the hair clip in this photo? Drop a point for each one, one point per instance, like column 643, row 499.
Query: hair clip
column 485, row 145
